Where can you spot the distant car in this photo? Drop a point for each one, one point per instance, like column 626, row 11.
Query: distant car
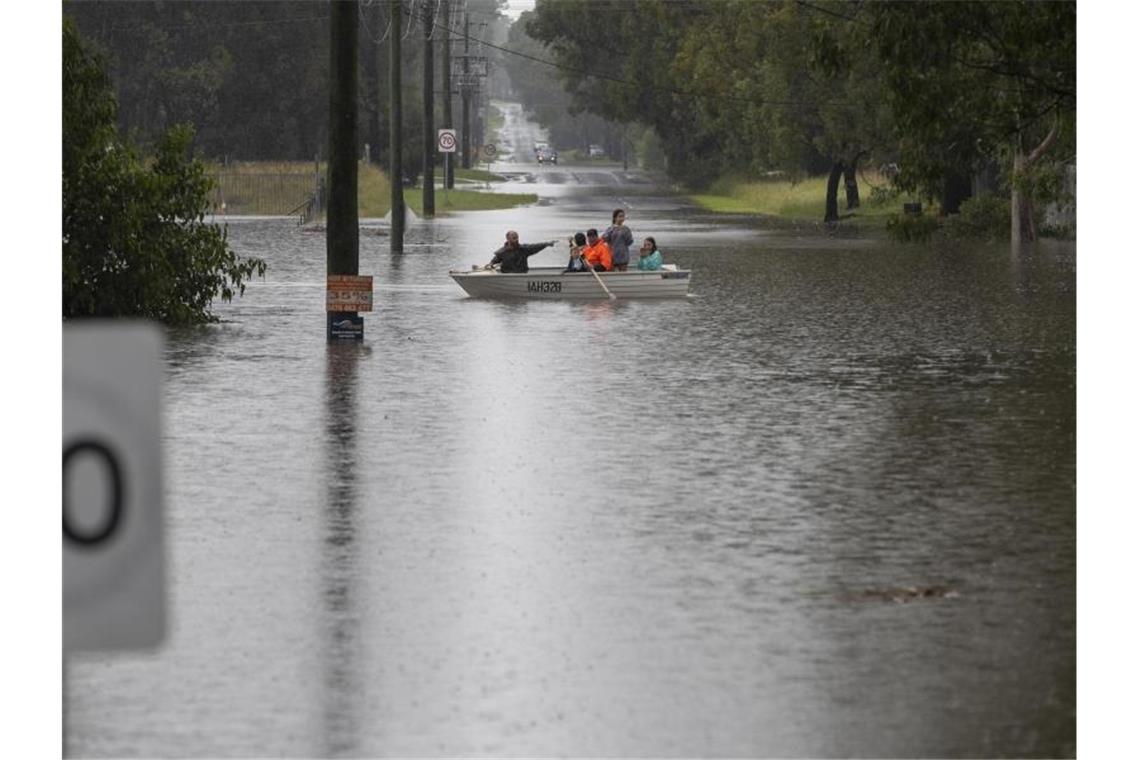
column 539, row 147
column 597, row 151
column 547, row 156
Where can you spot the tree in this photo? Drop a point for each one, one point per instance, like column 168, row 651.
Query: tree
column 731, row 86
column 135, row 242
column 975, row 82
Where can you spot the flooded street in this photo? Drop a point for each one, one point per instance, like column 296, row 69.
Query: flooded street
column 676, row 528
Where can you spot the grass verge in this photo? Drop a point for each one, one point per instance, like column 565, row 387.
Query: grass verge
column 293, row 181
column 795, row 201
column 376, row 196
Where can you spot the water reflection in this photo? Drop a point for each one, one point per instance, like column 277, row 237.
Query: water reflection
column 622, row 528
column 340, row 605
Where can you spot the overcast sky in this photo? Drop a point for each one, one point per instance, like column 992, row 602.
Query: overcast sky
column 516, row 7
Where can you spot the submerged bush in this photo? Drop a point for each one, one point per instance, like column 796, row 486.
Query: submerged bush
column 880, row 196
column 906, row 228
column 986, row 217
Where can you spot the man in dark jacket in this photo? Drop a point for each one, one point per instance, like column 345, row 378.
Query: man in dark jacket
column 512, row 256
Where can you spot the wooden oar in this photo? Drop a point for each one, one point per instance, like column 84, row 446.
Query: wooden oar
column 599, row 279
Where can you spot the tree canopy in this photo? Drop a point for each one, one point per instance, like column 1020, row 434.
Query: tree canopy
column 945, row 89
column 135, row 242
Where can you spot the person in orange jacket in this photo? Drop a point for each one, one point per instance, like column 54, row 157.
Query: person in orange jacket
column 597, row 253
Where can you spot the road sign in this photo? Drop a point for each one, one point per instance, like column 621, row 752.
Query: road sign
column 348, row 292
column 489, row 152
column 446, row 142
column 113, row 564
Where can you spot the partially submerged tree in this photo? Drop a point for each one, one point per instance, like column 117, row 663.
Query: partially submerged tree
column 135, row 240
column 973, row 82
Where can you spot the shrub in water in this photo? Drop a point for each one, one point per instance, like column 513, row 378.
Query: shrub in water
column 983, row 217
column 905, row 228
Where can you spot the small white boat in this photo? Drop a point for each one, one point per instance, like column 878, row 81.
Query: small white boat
column 553, row 283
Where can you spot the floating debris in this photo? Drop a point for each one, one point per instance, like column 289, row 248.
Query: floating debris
column 903, row 594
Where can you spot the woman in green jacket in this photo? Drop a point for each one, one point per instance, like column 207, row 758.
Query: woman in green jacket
column 650, row 257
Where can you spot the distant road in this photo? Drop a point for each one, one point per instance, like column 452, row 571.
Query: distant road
column 516, row 156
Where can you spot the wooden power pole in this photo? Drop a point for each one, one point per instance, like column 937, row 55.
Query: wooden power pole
column 429, row 116
column 465, row 91
column 342, row 239
column 449, row 172
column 395, row 132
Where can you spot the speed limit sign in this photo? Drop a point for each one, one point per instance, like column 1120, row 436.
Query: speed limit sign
column 446, row 141
column 490, row 151
column 113, row 585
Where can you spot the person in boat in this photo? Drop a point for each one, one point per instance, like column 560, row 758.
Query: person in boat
column 619, row 239
column 597, row 253
column 577, row 263
column 649, row 258
column 513, row 255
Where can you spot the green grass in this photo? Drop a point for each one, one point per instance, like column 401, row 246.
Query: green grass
column 375, row 195
column 478, row 175
column 803, row 200
column 262, row 187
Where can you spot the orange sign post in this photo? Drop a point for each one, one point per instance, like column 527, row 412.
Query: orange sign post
column 348, row 292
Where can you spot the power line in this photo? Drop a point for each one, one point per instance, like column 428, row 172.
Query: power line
column 627, row 83
column 367, row 29
column 478, row 40
column 209, row 25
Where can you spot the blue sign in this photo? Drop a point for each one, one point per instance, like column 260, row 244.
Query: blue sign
column 345, row 325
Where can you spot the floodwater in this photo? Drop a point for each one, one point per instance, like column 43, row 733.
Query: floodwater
column 623, row 529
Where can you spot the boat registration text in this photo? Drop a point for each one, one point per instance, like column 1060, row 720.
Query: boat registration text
column 543, row 286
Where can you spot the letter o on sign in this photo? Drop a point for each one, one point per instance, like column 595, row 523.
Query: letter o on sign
column 75, row 530
column 113, row 535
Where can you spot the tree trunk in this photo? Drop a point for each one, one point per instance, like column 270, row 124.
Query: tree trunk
column 956, row 188
column 1020, row 205
column 831, row 215
column 1021, row 228
column 850, row 185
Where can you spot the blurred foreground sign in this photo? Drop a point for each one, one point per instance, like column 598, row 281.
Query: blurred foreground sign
column 113, row 585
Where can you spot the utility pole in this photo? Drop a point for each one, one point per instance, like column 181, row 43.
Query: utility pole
column 395, row 133
column 342, row 239
column 429, row 117
column 449, row 171
column 465, row 90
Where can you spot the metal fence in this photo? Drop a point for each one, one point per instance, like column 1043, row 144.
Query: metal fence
column 269, row 194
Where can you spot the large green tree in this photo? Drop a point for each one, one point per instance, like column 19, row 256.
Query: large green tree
column 135, row 242
column 972, row 83
column 731, row 86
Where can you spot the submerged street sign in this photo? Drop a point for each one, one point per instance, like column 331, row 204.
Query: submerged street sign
column 113, row 585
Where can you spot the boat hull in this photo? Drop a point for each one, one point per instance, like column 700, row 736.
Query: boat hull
column 553, row 284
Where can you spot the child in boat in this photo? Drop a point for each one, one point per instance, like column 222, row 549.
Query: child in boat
column 597, row 252
column 577, row 263
column 650, row 257
column 619, row 239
